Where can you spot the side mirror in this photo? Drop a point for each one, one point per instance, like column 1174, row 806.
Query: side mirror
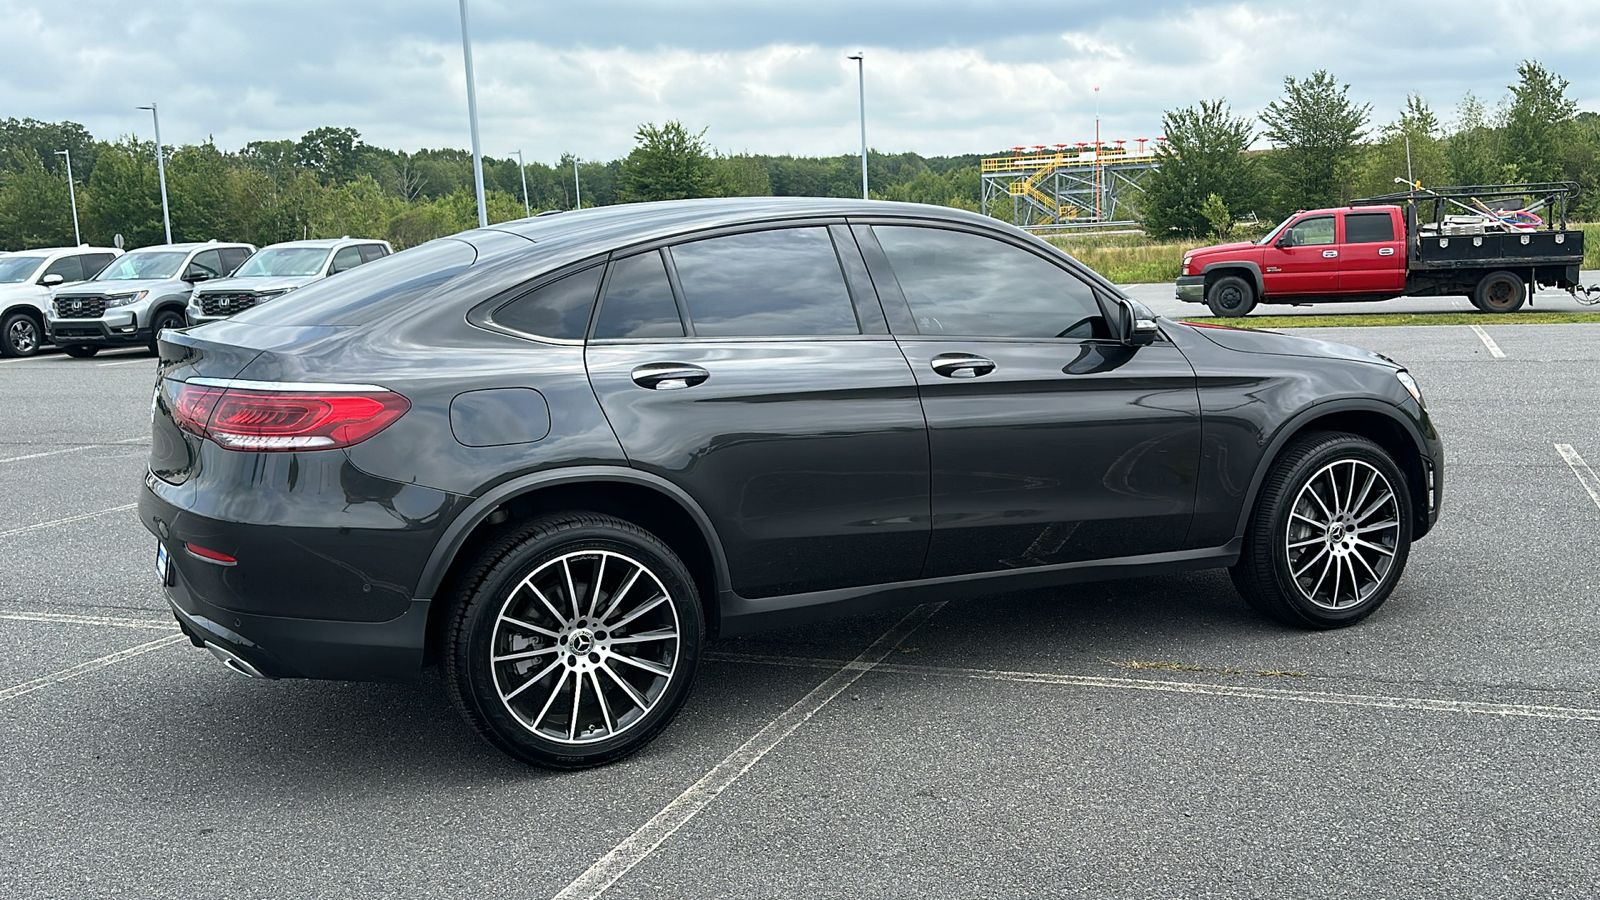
column 1139, row 327
column 196, row 274
column 52, row 280
column 1285, row 241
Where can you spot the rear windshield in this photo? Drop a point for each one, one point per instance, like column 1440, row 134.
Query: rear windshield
column 284, row 261
column 363, row 293
column 17, row 268
column 135, row 266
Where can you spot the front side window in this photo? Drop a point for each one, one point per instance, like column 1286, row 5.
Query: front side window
column 136, row 266
column 1314, row 232
column 1368, row 228
column 295, row 261
column 638, row 301
column 93, row 263
column 973, row 286
column 346, row 258
column 70, row 268
column 207, row 263
column 232, row 257
column 559, row 309
column 765, row 283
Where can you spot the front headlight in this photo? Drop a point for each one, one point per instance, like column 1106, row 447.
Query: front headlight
column 1410, row 384
column 1186, row 261
column 126, row 299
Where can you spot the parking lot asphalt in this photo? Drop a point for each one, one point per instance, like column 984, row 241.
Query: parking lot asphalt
column 1150, row 737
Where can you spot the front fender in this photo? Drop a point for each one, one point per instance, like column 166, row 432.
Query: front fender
column 1253, row 268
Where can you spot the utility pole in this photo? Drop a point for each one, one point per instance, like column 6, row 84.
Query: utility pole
column 577, row 186
column 161, row 169
column 472, row 116
column 522, row 169
column 72, row 193
column 1097, row 213
column 861, row 85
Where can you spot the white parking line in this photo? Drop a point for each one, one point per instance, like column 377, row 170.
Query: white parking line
column 1494, row 349
column 1374, row 701
column 67, row 520
column 70, row 619
column 69, row 450
column 1586, row 476
column 130, row 362
column 85, row 668
column 676, row 814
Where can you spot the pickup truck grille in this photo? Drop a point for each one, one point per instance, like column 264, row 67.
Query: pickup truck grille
column 80, row 307
column 220, row 304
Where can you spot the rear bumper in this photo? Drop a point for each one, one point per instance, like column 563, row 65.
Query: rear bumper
column 1192, row 288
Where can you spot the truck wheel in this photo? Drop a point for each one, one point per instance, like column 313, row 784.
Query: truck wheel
column 80, row 351
column 19, row 335
column 1500, row 292
column 1231, row 297
column 167, row 318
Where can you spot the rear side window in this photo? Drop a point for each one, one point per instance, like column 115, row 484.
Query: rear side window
column 359, row 297
column 370, row 252
column 559, row 309
column 68, row 267
column 781, row 282
column 1368, row 228
column 638, row 301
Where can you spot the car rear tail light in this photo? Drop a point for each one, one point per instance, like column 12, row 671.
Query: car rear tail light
column 270, row 420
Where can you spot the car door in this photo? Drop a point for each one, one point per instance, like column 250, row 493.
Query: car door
column 1372, row 257
column 1304, row 259
column 1051, row 442
column 747, row 370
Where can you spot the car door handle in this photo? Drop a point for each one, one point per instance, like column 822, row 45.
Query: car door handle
column 669, row 376
column 1329, row 254
column 961, row 365
column 1385, row 251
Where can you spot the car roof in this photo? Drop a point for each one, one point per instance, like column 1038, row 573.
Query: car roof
column 325, row 242
column 197, row 245
column 54, row 251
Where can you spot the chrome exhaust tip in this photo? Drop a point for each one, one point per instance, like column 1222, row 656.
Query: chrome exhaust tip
column 234, row 662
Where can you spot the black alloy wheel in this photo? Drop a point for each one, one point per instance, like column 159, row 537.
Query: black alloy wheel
column 574, row 641
column 1231, row 297
column 165, row 319
column 20, row 335
column 80, row 351
column 1330, row 534
column 1500, row 292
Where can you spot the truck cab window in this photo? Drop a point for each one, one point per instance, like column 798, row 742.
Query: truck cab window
column 1316, row 231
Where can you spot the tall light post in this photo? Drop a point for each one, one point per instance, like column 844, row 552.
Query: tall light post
column 577, row 186
column 861, row 85
column 472, row 115
column 161, row 170
column 72, row 193
column 522, row 169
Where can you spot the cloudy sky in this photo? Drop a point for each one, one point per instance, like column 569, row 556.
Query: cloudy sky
column 942, row 76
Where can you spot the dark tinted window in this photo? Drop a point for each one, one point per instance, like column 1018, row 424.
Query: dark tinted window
column 559, row 309
column 638, row 301
column 209, row 262
column 1368, row 228
column 370, row 252
column 781, row 282
column 1314, row 232
column 94, row 262
column 966, row 284
column 68, row 267
column 358, row 297
column 347, row 258
column 234, row 257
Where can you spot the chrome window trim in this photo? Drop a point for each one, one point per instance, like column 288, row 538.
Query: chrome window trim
column 299, row 386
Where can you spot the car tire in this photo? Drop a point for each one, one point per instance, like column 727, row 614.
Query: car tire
column 1231, row 296
column 167, row 318
column 1500, row 292
column 556, row 673
column 20, row 335
column 80, row 351
column 1334, row 507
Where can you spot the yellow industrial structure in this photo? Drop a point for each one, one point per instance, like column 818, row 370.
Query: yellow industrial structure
column 1058, row 186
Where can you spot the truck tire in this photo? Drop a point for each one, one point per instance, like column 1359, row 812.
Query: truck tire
column 1231, row 297
column 20, row 335
column 1500, row 292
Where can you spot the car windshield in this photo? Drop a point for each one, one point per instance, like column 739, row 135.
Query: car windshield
column 134, row 266
column 1273, row 234
column 284, row 261
column 16, row 268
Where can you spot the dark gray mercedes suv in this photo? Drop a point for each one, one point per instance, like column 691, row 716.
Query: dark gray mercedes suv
column 556, row 456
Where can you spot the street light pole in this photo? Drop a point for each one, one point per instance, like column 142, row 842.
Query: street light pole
column 472, row 115
column 577, row 186
column 72, row 193
column 861, row 85
column 522, row 169
column 161, row 170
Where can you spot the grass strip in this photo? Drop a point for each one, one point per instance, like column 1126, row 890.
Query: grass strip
column 1374, row 319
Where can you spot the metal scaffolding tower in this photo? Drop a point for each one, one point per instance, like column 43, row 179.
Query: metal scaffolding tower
column 1076, row 186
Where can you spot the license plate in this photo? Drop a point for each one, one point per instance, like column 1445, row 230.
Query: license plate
column 163, row 564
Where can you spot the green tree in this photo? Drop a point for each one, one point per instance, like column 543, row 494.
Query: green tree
column 42, row 140
column 1203, row 157
column 740, row 176
column 35, row 209
column 1537, row 121
column 667, row 163
column 125, row 195
column 332, row 153
column 358, row 208
column 1317, row 128
column 1472, row 155
column 1387, row 160
column 198, row 187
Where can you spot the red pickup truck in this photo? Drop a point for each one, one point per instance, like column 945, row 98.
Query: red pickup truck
column 1379, row 251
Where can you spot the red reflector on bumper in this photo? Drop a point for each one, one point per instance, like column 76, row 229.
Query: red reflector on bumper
column 209, row 554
